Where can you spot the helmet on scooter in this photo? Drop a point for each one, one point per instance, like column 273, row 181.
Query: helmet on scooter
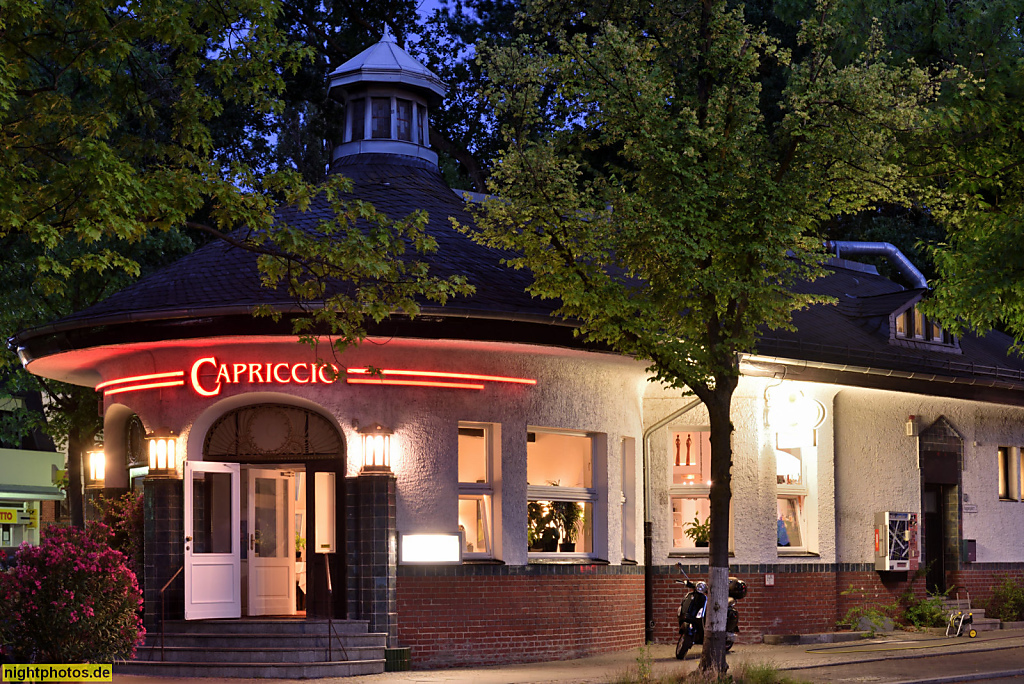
column 737, row 588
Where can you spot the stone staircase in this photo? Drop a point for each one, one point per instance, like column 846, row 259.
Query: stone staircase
column 981, row 623
column 284, row 648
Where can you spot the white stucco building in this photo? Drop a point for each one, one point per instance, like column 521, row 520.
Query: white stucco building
column 498, row 421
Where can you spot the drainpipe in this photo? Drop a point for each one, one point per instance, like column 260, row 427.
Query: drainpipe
column 884, row 249
column 649, row 525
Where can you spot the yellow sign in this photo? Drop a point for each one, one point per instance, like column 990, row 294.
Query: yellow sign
column 99, row 672
column 9, row 516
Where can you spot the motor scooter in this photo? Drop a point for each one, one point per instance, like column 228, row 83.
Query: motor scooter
column 693, row 607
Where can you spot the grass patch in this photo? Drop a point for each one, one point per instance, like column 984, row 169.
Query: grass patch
column 742, row 673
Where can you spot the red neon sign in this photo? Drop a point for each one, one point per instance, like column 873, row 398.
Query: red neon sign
column 441, row 374
column 131, row 384
column 207, row 377
column 258, row 374
column 413, row 383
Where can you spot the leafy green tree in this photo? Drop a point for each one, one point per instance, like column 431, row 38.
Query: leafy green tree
column 123, row 121
column 670, row 189
column 967, row 160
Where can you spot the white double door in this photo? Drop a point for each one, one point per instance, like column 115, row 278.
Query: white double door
column 213, row 553
column 271, row 557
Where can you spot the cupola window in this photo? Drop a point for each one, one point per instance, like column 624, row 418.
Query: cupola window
column 381, row 113
column 403, row 117
column 358, row 119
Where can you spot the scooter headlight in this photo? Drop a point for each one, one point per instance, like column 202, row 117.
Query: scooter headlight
column 702, row 588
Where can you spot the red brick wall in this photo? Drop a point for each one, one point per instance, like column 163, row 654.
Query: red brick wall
column 869, row 587
column 470, row 619
column 509, row 618
column 980, row 580
column 798, row 603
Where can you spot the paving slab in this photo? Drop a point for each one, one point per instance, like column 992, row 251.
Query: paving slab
column 608, row 667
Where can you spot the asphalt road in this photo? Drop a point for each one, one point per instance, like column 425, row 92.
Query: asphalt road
column 1007, row 664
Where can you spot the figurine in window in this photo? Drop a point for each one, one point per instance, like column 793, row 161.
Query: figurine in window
column 783, row 533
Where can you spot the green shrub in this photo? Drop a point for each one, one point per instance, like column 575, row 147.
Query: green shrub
column 876, row 614
column 1007, row 602
column 72, row 599
column 124, row 516
column 928, row 612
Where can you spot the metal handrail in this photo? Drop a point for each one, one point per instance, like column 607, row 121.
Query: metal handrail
column 163, row 609
column 330, row 617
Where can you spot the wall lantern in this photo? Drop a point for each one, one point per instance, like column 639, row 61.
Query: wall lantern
column 97, row 468
column 376, row 445
column 163, row 453
column 793, row 416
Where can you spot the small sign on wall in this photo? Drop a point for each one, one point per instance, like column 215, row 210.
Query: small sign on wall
column 970, row 508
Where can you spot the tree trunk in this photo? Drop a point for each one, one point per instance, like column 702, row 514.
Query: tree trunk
column 719, row 404
column 76, row 485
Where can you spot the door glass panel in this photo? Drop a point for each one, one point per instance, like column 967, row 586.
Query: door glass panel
column 270, row 506
column 212, row 512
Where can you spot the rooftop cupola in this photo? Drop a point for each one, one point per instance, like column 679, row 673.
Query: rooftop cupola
column 387, row 94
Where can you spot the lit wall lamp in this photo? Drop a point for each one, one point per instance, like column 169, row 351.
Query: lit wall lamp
column 793, row 416
column 376, row 444
column 163, row 453
column 97, row 469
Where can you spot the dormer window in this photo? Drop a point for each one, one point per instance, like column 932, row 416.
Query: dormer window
column 913, row 325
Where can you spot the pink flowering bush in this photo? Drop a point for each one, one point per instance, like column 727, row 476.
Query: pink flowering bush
column 72, row 599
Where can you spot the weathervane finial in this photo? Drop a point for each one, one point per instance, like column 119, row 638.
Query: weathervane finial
column 388, row 37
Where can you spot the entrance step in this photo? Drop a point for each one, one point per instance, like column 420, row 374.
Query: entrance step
column 981, row 623
column 259, row 648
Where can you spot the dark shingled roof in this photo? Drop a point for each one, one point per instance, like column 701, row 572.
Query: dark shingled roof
column 855, row 332
column 211, row 291
column 219, row 276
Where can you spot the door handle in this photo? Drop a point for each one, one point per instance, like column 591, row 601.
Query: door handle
column 188, row 539
column 252, row 542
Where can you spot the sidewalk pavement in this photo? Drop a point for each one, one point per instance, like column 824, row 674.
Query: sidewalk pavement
column 606, row 668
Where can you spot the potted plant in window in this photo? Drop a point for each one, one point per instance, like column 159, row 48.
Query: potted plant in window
column 541, row 534
column 699, row 532
column 569, row 521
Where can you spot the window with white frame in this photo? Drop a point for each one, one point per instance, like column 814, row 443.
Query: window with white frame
column 560, row 492
column 1011, row 479
column 791, row 493
column 690, row 456
column 476, row 491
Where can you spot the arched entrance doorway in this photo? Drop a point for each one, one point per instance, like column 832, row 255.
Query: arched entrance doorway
column 289, row 462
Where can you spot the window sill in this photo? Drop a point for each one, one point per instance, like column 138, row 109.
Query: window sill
column 565, row 559
column 481, row 561
column 797, row 553
column 694, row 553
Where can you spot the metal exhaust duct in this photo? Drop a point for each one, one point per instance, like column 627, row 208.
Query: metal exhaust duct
column 885, row 249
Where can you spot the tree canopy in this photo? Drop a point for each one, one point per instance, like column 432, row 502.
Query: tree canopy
column 666, row 170
column 119, row 122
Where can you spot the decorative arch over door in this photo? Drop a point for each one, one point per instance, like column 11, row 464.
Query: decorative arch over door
column 273, row 433
column 284, row 434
